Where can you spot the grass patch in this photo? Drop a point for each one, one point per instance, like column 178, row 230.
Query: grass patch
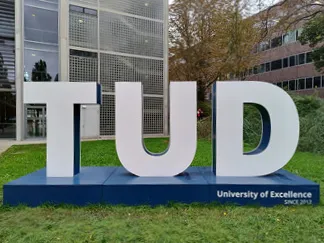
column 173, row 223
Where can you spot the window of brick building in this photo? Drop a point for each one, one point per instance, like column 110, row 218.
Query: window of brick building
column 275, row 42
column 301, row 59
column 263, row 46
column 292, row 85
column 301, row 84
column 285, row 62
column 309, row 57
column 292, row 61
column 285, row 85
column 289, row 37
column 298, row 33
column 255, row 70
column 275, row 65
column 317, row 82
column 309, row 83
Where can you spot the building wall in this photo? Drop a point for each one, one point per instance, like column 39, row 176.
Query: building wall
column 40, row 57
column 106, row 42
column 300, row 78
column 7, row 70
column 116, row 41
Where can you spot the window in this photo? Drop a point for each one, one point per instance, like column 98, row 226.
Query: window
column 309, row 83
column 255, row 70
column 76, row 9
column 292, row 36
column 309, row 57
column 275, row 65
column 301, row 59
column 317, row 82
column 285, row 62
column 292, row 61
column 262, row 68
column 264, row 46
column 279, row 84
column 285, row 85
column 276, row 42
column 83, row 10
column 289, row 37
column 298, row 33
column 83, row 53
column 41, row 25
column 90, row 11
column 301, row 84
column 322, row 81
column 267, row 67
column 285, row 39
column 292, row 85
column 49, row 62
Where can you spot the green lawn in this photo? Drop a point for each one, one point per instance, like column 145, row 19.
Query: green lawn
column 174, row 223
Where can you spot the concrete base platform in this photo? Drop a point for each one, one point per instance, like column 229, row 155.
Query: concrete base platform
column 114, row 185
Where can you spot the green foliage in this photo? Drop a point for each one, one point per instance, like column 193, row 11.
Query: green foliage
column 307, row 104
column 311, row 125
column 206, row 107
column 204, row 125
column 204, row 128
column 252, row 126
column 313, row 34
column 39, row 73
column 172, row 223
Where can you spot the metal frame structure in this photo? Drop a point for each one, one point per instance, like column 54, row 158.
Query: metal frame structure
column 102, row 17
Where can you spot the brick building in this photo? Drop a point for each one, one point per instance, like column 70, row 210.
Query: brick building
column 284, row 61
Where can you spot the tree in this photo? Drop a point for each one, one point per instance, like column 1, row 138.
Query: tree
column 231, row 48
column 211, row 40
column 313, row 34
column 287, row 14
column 39, row 72
column 190, row 27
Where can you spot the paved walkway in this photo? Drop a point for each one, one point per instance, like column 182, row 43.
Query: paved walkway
column 6, row 144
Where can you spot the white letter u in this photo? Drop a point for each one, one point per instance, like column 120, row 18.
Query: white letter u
column 129, row 131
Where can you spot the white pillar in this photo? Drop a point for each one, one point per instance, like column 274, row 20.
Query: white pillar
column 63, row 40
column 19, row 69
column 166, row 70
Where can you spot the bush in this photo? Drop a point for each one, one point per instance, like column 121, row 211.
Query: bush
column 206, row 107
column 307, row 104
column 204, row 128
column 252, row 126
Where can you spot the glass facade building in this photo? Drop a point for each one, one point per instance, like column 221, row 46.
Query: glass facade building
column 93, row 41
column 7, row 70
